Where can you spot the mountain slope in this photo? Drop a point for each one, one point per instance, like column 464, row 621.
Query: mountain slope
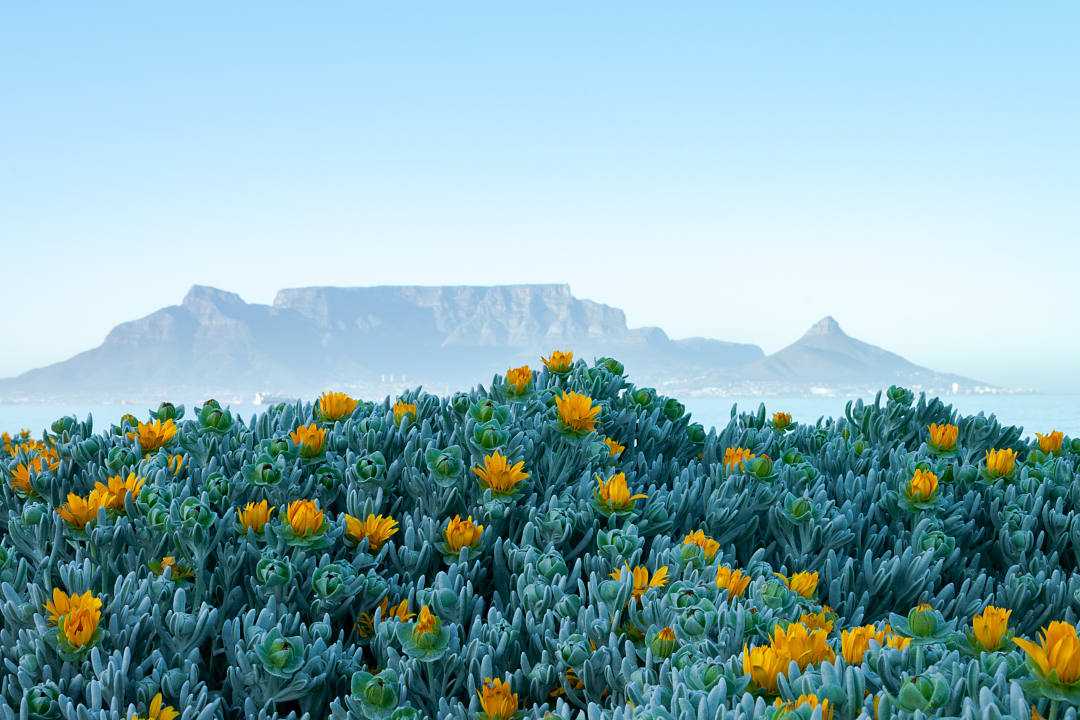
column 313, row 338
column 827, row 355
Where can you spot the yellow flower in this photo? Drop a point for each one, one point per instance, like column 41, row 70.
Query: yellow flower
column 733, row 457
column 559, row 362
column 943, row 437
column 989, row 627
column 519, row 378
column 498, row 475
column 462, row 533
column 78, row 625
column 1051, row 443
column 365, row 622
column 20, row 476
column 397, row 612
column 763, row 664
column 642, row 581
column 333, row 406
column 426, row 624
column 614, row 448
column 803, row 645
column 254, row 516
column 402, row 409
column 62, row 603
column 854, row 642
column 803, row 583
column 808, row 700
column 309, row 438
column 78, row 511
column 577, row 411
column 497, row 701
column 707, row 544
column 1058, row 653
column 110, row 495
column 922, row 486
column 153, row 435
column 613, row 494
column 179, row 572
column 894, row 641
column 159, row 710
column 175, row 463
column 304, row 517
column 818, row 620
column 377, row 529
column 1000, row 463
column 734, row 581
column 781, row 420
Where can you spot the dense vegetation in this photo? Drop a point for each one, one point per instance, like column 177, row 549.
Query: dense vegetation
column 562, row 544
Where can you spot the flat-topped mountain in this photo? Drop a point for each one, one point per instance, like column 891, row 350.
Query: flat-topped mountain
column 374, row 339
column 360, row 337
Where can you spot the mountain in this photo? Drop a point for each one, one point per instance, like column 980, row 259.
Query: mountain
column 374, row 340
column 826, row 356
column 364, row 338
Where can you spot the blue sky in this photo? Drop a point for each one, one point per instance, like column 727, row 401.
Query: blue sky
column 735, row 172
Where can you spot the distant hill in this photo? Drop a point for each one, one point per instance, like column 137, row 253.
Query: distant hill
column 373, row 340
column 827, row 355
column 367, row 338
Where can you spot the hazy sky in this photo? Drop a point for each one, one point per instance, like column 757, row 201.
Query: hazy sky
column 729, row 172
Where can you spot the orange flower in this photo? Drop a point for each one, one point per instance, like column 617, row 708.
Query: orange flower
column 498, row 475
column 1000, row 463
column 613, row 494
column 1058, row 652
column 310, row 439
column 402, row 410
column 1051, row 442
column 377, row 529
column 519, row 378
column 734, row 581
column 334, row 406
column 110, row 495
column 614, row 448
column 642, row 581
column 254, row 516
column 559, row 362
column 153, row 435
column 577, row 412
column 304, row 517
column 708, row 546
column 462, row 533
column 943, row 437
column 78, row 511
column 62, row 603
column 733, row 457
column 803, row 583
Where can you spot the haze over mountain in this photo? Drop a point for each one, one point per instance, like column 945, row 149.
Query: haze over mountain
column 375, row 339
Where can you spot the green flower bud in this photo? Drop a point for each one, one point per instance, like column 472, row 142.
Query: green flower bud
column 273, row 571
column 280, row 656
column 612, row 365
column 673, row 409
column 663, row 643
column 574, row 650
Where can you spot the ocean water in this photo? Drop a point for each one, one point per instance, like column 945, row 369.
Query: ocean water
column 1032, row 412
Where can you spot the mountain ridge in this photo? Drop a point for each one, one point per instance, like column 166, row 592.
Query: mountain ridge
column 311, row 338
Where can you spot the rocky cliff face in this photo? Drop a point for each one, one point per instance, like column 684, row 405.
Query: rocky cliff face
column 313, row 338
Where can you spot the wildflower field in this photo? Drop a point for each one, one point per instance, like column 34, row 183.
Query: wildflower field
column 562, row 544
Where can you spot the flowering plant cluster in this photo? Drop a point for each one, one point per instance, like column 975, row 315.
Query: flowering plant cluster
column 561, row 544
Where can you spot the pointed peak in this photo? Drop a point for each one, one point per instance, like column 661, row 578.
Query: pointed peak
column 825, row 326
